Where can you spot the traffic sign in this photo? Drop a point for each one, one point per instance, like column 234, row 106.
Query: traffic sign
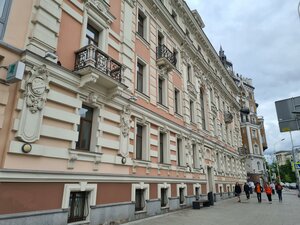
column 297, row 165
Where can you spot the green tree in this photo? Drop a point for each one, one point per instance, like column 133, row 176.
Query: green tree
column 286, row 172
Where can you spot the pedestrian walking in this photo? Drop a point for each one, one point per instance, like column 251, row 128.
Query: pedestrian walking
column 268, row 191
column 273, row 188
column 237, row 191
column 247, row 190
column 258, row 190
column 279, row 188
column 251, row 186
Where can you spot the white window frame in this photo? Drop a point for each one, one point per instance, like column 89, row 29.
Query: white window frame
column 146, row 24
column 164, row 91
column 143, row 186
column 184, row 186
column 181, row 153
column 145, row 137
column 4, row 18
column 166, row 150
column 145, row 76
column 92, row 17
column 165, row 186
column 82, row 186
column 197, row 185
column 95, row 127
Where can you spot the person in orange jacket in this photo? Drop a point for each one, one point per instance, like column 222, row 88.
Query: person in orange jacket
column 268, row 191
column 258, row 191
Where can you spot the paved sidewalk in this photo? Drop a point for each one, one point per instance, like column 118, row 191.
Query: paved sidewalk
column 230, row 212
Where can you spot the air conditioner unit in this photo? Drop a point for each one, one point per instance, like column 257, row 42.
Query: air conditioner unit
column 15, row 72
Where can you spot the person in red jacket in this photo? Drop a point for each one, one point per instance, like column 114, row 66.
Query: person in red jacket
column 268, row 191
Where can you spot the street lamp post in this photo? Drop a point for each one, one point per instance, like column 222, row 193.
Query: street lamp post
column 277, row 167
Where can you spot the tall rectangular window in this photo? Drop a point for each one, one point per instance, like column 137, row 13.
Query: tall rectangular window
column 195, row 160
column 141, row 24
column 78, row 206
column 189, row 73
column 139, row 141
column 202, row 109
column 181, row 195
column 164, row 197
column 175, row 55
column 179, row 152
column 4, row 12
column 85, row 128
column 161, row 147
column 176, row 101
column 91, row 36
column 192, row 111
column 139, row 199
column 174, row 15
column 160, row 90
column 140, row 77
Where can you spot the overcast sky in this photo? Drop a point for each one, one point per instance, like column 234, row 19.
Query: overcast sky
column 262, row 40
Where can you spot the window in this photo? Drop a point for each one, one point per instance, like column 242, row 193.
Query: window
column 258, row 166
column 161, row 147
column 197, row 192
column 175, row 54
column 140, row 77
column 139, row 141
column 85, row 128
column 195, row 156
column 202, row 110
column 254, row 133
column 4, row 12
column 91, row 36
column 176, row 101
column 189, row 73
column 211, row 95
column 256, row 149
column 218, row 161
column 163, row 197
column 78, row 198
column 179, row 152
column 215, row 126
column 139, row 199
column 225, row 163
column 162, row 91
column 187, row 33
column 78, row 210
column 160, row 39
column 181, row 196
column 174, row 15
column 192, row 111
column 141, row 24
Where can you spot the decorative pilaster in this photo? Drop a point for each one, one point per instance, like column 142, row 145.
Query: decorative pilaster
column 36, row 91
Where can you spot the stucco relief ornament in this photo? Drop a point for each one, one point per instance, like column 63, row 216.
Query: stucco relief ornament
column 125, row 121
column 36, row 89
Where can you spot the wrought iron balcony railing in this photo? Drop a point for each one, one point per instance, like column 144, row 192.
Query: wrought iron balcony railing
column 163, row 52
column 91, row 55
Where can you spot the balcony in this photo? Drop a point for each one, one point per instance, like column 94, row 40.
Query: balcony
column 96, row 66
column 165, row 58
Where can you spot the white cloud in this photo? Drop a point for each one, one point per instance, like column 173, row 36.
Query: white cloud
column 261, row 38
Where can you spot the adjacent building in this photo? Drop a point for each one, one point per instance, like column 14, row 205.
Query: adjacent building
column 252, row 126
column 124, row 106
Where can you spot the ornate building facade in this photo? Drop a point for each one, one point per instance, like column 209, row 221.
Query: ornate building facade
column 252, row 126
column 123, row 106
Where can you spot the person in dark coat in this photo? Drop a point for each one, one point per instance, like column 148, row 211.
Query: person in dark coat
column 247, row 190
column 279, row 188
column 238, row 191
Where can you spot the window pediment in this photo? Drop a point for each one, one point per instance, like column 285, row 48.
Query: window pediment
column 101, row 8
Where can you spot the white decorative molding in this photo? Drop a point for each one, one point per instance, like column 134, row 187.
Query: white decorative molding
column 72, row 158
column 91, row 77
column 36, row 90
